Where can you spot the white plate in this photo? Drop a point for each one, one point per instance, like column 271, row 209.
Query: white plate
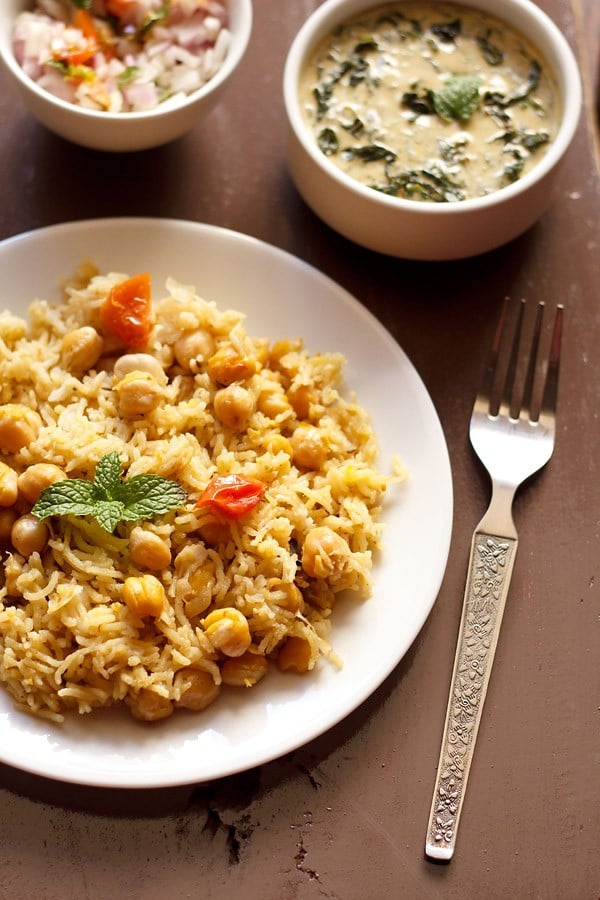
column 282, row 297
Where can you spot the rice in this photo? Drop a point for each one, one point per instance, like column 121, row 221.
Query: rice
column 122, row 57
column 68, row 638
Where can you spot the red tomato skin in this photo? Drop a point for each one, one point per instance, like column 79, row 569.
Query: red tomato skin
column 127, row 311
column 117, row 7
column 232, row 495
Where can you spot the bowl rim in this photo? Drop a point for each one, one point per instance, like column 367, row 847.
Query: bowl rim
column 333, row 12
column 238, row 44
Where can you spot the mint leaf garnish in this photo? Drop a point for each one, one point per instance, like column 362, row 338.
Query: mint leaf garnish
column 108, row 498
column 458, row 98
column 108, row 513
column 107, row 477
column 145, row 496
column 74, row 496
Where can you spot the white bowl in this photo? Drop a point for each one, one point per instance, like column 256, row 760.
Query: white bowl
column 122, row 131
column 423, row 229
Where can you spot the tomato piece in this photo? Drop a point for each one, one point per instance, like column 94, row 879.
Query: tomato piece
column 98, row 33
column 85, row 23
column 75, row 57
column 232, row 495
column 79, row 55
column 117, row 7
column 127, row 311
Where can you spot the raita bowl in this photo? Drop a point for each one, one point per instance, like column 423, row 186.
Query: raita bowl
column 424, row 229
column 122, row 131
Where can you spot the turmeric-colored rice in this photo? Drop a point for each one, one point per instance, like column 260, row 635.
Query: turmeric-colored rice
column 241, row 595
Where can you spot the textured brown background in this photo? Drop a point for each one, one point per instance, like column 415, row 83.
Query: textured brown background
column 345, row 817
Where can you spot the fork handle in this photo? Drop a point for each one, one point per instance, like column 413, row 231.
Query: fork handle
column 488, row 578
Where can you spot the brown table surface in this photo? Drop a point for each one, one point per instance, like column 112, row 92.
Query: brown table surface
column 345, row 816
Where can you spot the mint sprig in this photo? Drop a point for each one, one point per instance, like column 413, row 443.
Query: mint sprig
column 458, row 98
column 109, row 499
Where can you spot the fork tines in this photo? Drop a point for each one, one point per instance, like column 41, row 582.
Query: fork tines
column 521, row 373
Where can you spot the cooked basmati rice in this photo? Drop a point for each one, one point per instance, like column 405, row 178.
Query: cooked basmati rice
column 67, row 638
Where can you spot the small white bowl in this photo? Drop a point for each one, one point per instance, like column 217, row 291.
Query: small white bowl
column 122, row 131
column 426, row 230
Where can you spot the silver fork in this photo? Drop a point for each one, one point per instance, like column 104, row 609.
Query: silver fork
column 512, row 433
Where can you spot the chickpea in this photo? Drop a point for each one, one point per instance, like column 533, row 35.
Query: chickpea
column 29, row 535
column 277, row 443
column 150, row 706
column 148, row 550
column 196, row 604
column 324, row 553
column 309, row 446
column 295, row 654
column 81, row 349
column 8, row 517
column 227, row 630
column 191, row 556
column 144, row 595
column 9, row 490
column 226, row 365
column 81, row 277
column 193, row 348
column 244, row 671
column 234, row 405
column 272, row 401
column 261, row 350
column 19, row 426
column 301, row 398
column 198, row 688
column 138, row 393
column 139, row 362
column 282, row 348
column 37, row 478
column 288, row 594
column 195, row 579
column 196, row 589
column 202, row 579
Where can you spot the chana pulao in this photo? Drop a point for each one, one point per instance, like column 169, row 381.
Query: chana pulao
column 180, row 503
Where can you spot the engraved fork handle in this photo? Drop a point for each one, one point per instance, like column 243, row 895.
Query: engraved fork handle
column 488, row 578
